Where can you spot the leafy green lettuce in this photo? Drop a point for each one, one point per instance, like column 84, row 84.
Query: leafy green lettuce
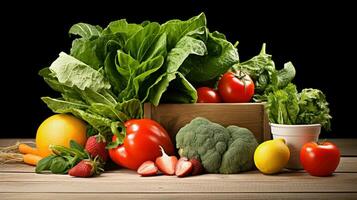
column 314, row 108
column 87, row 95
column 283, row 106
column 111, row 71
column 141, row 60
column 287, row 106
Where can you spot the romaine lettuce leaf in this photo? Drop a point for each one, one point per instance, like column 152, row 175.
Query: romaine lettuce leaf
column 283, row 106
column 73, row 73
column 85, row 30
column 221, row 56
column 176, row 29
column 139, row 44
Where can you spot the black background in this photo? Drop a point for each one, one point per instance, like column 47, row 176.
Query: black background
column 319, row 39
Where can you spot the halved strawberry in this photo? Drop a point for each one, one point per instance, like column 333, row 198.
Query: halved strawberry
column 165, row 163
column 197, row 167
column 183, row 167
column 148, row 168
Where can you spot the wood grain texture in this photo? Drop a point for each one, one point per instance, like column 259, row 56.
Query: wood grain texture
column 175, row 116
column 16, row 168
column 12, row 141
column 174, row 196
column 18, row 181
column 131, row 182
column 347, row 165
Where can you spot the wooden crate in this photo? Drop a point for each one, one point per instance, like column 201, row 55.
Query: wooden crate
column 175, row 116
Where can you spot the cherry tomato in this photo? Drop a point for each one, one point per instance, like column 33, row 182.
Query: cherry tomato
column 320, row 159
column 208, row 95
column 141, row 143
column 236, row 87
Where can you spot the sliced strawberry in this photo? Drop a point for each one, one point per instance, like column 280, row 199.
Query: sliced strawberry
column 197, row 167
column 183, row 167
column 85, row 168
column 165, row 163
column 95, row 146
column 148, row 168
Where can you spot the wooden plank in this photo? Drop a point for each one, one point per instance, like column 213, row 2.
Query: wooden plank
column 175, row 116
column 115, row 182
column 147, row 110
column 347, row 165
column 266, row 128
column 16, row 168
column 173, row 196
column 125, row 174
column 12, row 141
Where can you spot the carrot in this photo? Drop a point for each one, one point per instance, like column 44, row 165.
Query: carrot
column 26, row 149
column 31, row 159
column 19, row 152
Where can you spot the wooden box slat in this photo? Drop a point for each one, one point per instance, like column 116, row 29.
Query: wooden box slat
column 248, row 115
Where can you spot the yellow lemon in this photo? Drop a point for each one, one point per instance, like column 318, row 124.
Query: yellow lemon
column 59, row 129
column 271, row 156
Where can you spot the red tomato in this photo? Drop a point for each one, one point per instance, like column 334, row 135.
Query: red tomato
column 320, row 159
column 141, row 143
column 236, row 87
column 208, row 95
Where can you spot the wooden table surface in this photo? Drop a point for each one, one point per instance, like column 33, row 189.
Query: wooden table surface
column 18, row 181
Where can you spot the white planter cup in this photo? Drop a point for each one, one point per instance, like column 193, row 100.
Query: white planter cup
column 296, row 136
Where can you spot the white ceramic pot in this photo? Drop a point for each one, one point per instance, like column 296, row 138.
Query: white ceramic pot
column 296, row 136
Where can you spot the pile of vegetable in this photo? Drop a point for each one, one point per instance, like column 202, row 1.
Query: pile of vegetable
column 111, row 71
column 284, row 104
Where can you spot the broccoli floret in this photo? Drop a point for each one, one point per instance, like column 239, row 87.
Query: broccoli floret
column 221, row 150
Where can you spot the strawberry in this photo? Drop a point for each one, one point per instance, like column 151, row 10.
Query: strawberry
column 148, row 168
column 85, row 168
column 183, row 167
column 165, row 163
column 95, row 146
column 197, row 167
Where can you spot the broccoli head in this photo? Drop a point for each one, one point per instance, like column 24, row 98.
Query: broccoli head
column 221, row 150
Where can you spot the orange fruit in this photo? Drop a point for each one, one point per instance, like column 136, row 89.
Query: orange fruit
column 60, row 129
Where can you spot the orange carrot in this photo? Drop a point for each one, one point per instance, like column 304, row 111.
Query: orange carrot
column 26, row 149
column 31, row 159
column 19, row 152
